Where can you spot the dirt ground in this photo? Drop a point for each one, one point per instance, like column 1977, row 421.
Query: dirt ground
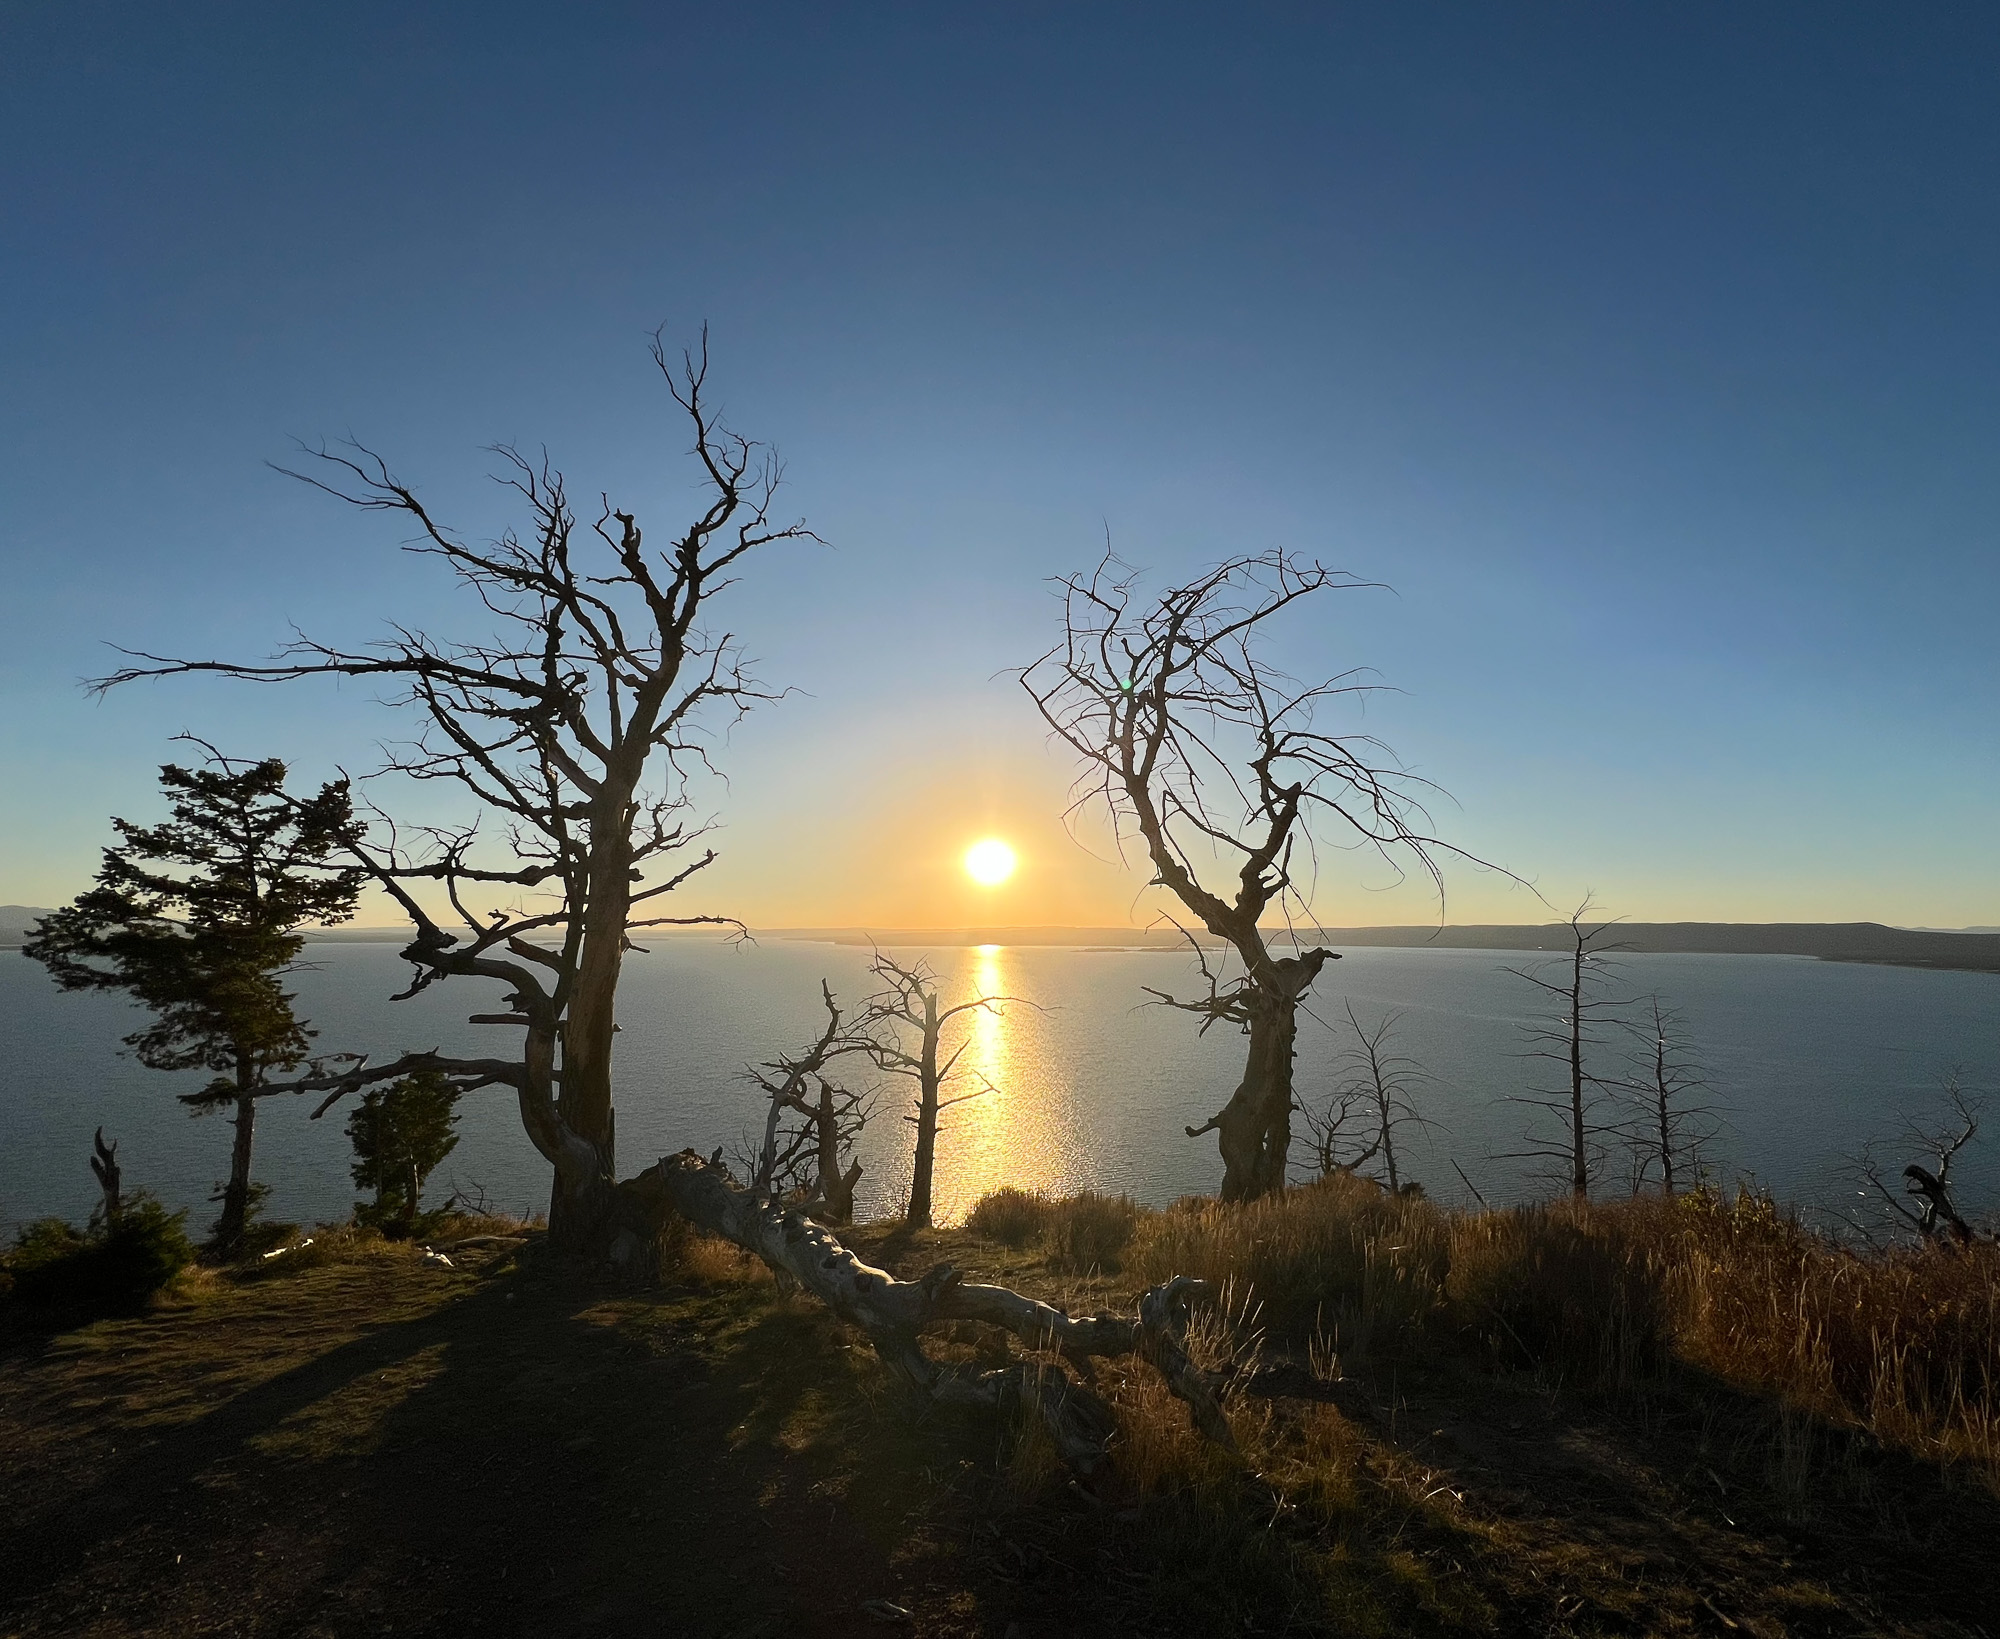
column 393, row 1447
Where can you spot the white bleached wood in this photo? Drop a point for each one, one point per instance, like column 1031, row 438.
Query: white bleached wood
column 894, row 1313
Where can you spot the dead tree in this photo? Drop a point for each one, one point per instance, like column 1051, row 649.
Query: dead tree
column 1672, row 1120
column 1204, row 754
column 579, row 725
column 811, row 1157
column 1377, row 1094
column 104, row 1165
column 1583, row 1010
column 906, row 1024
column 1934, row 1214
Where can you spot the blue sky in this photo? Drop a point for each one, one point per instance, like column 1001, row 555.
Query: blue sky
column 1649, row 354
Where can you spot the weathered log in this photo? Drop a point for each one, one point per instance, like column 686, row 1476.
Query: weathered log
column 894, row 1313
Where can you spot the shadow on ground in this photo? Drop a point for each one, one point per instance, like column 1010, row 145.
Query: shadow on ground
column 395, row 1448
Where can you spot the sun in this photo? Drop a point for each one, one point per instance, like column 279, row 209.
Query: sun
column 989, row 862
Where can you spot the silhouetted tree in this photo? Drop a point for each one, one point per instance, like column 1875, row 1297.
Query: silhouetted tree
column 196, row 919
column 1195, row 745
column 1935, row 1214
column 401, row 1134
column 811, row 1155
column 906, row 1024
column 579, row 723
column 1673, row 1120
column 110, row 1179
column 1578, row 990
column 1374, row 1099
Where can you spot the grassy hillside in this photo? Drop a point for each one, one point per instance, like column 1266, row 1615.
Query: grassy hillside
column 1658, row 1418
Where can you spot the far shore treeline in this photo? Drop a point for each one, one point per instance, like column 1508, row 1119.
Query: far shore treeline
column 1967, row 951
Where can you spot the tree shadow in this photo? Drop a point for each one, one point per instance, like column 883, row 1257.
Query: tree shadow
column 523, row 1457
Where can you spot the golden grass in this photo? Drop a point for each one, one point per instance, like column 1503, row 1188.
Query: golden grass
column 1080, row 1233
column 1013, row 1217
column 1904, row 1344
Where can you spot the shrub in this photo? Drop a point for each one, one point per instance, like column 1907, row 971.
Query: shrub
column 1089, row 1231
column 1014, row 1217
column 111, row 1269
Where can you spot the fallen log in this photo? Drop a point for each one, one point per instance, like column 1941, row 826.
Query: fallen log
column 894, row 1313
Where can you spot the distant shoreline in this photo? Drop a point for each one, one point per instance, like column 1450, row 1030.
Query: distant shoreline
column 1866, row 942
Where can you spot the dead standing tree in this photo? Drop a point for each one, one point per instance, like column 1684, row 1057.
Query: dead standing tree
column 1378, row 1093
column 578, row 725
column 830, row 1119
column 1582, row 1010
column 1935, row 1214
column 1195, row 745
column 1672, row 1122
column 907, row 1023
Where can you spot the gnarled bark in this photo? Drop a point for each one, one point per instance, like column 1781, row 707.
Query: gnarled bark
column 1254, row 1129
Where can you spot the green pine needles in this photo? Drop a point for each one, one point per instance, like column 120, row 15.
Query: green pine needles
column 196, row 920
column 400, row 1134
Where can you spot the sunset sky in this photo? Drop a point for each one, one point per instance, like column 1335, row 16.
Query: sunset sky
column 1650, row 355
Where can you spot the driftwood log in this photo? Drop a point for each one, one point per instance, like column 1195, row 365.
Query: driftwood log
column 894, row 1314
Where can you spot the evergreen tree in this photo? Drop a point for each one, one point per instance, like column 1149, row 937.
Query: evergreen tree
column 400, row 1134
column 196, row 920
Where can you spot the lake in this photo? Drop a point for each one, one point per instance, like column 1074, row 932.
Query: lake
column 1808, row 1060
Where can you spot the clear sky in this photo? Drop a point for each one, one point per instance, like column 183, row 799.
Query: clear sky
column 1649, row 353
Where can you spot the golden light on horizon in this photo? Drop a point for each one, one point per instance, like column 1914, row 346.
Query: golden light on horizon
column 989, row 862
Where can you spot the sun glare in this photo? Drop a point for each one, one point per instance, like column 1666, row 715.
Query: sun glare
column 989, row 863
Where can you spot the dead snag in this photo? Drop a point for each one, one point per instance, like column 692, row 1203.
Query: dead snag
column 1202, row 752
column 573, row 720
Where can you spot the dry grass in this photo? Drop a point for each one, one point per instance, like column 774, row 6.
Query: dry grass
column 1013, row 1217
column 1080, row 1233
column 1341, row 1258
column 1903, row 1344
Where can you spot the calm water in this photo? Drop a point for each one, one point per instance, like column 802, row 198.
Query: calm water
column 1808, row 1058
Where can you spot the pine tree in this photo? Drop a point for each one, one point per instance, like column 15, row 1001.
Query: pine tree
column 196, row 919
column 400, row 1134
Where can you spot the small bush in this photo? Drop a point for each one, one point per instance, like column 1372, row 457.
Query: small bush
column 1013, row 1217
column 112, row 1269
column 1089, row 1231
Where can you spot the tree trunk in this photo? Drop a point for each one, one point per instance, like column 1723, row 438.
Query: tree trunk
column 581, row 1219
column 919, row 1212
column 236, row 1193
column 1579, row 1179
column 836, row 1189
column 104, row 1163
column 1665, row 1114
column 1254, row 1130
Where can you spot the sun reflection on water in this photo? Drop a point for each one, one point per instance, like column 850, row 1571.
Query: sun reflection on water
column 1017, row 1132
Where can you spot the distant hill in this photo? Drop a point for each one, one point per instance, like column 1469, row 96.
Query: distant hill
column 15, row 920
column 1972, row 950
column 1829, row 941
